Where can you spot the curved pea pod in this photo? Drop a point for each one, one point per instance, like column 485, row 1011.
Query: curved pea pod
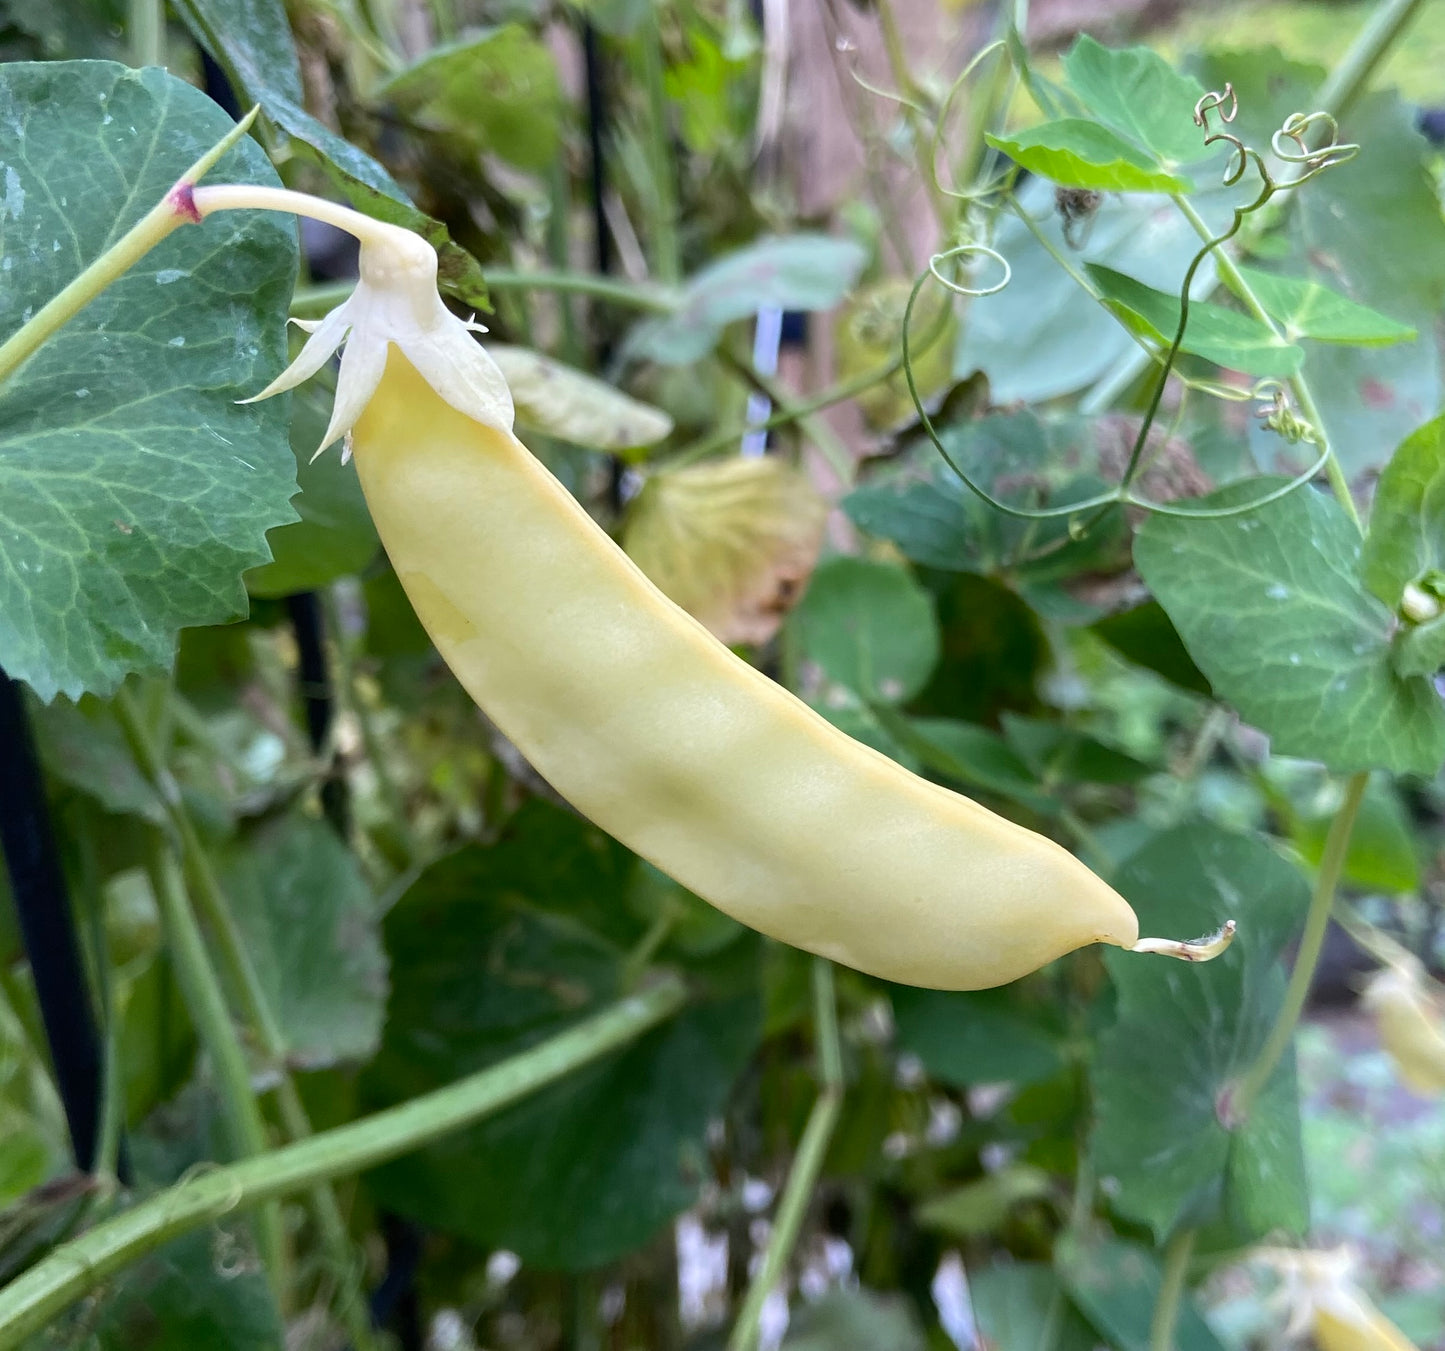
column 1321, row 1295
column 631, row 709
column 1410, row 1016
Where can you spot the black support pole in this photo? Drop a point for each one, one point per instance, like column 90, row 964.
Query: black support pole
column 47, row 928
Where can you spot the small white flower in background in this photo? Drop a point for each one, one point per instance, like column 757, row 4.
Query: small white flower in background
column 396, row 301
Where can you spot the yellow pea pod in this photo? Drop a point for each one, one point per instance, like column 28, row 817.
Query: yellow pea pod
column 1411, row 1022
column 1322, row 1296
column 631, row 709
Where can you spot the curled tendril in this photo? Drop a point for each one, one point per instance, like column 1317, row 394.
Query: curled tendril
column 207, row 1168
column 940, row 126
column 1296, row 128
column 968, row 251
column 1277, row 415
column 892, row 95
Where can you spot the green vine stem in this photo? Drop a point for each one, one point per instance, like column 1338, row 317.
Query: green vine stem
column 29, row 1302
column 807, row 1165
column 1332, row 862
column 1171, row 1290
column 666, row 249
column 1338, row 93
column 164, row 217
column 1231, row 276
column 206, row 1002
column 247, row 989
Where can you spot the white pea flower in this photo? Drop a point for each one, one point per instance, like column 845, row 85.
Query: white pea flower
column 396, row 301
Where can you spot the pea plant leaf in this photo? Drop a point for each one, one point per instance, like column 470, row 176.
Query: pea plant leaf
column 1406, row 540
column 790, row 272
column 304, row 907
column 134, row 490
column 251, row 41
column 1137, row 92
column 1309, row 310
column 1043, row 335
column 1116, row 1285
column 978, row 1036
column 497, row 89
column 561, row 401
column 1272, row 609
column 1164, row 1138
column 1391, row 260
column 870, row 627
column 1014, row 1303
column 1077, row 153
column 1226, row 337
column 494, row 949
column 334, row 537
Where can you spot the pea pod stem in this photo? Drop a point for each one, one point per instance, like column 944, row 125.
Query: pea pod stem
column 29, row 1302
column 1171, row 1290
column 171, row 212
column 1332, row 862
column 807, row 1164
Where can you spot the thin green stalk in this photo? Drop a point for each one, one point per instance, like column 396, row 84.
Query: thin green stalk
column 311, row 302
column 1338, row 93
column 206, row 1002
column 29, row 1302
column 247, row 990
column 1171, row 1290
column 370, row 738
column 146, row 32
column 918, row 134
column 666, row 251
column 167, row 215
column 1371, row 45
column 1332, row 862
column 814, row 428
column 559, row 185
column 807, row 1164
column 835, row 393
column 1230, row 274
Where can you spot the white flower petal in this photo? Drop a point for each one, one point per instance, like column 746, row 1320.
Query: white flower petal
column 461, row 372
column 362, row 365
column 325, row 338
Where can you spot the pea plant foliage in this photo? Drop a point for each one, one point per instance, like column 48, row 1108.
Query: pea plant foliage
column 1110, row 497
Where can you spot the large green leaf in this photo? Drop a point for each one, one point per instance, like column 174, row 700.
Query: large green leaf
column 1021, row 459
column 1309, row 310
column 1406, row 542
column 134, row 489
column 494, row 949
column 856, row 1320
column 978, row 1037
column 1370, row 229
column 790, row 272
column 870, row 627
column 251, row 40
column 1076, row 153
column 497, row 89
column 1226, row 337
column 1272, row 609
column 203, row 1292
column 1020, row 1306
column 334, row 537
column 1164, row 1136
column 1137, row 92
column 1117, row 1285
column 1043, row 335
column 309, row 921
